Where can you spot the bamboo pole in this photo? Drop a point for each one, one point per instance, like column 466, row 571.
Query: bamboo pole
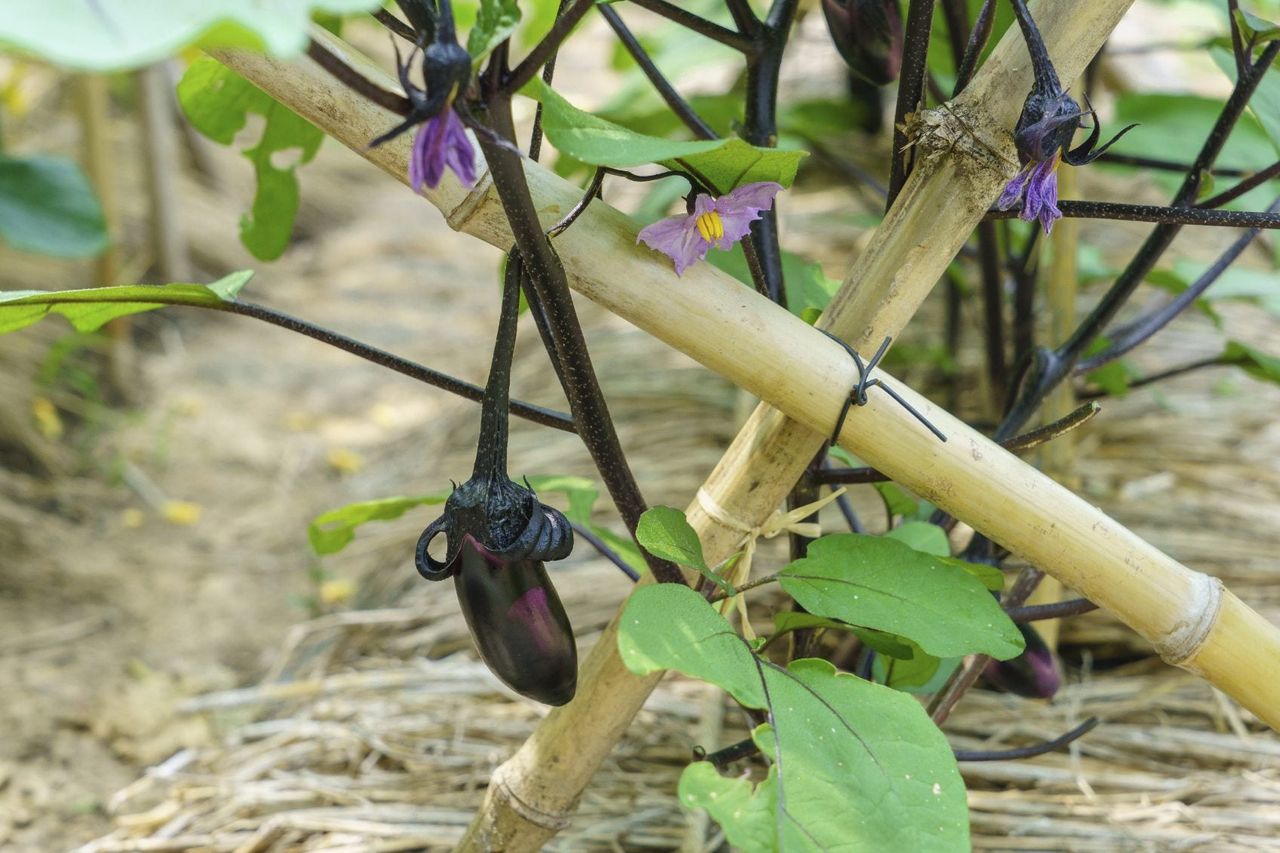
column 1057, row 458
column 739, row 334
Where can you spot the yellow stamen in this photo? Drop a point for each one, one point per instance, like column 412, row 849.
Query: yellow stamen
column 710, row 226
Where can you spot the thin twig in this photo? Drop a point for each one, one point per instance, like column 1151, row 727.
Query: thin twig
column 678, row 104
column 1057, row 610
column 1028, row 751
column 739, row 42
column 915, row 58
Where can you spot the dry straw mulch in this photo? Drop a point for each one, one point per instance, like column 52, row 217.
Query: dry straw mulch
column 378, row 730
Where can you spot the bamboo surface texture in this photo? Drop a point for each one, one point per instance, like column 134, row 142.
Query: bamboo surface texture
column 964, row 158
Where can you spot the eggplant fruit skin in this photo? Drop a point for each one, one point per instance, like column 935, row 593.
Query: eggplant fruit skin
column 518, row 623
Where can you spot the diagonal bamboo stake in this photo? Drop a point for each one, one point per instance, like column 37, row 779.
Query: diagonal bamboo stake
column 739, row 334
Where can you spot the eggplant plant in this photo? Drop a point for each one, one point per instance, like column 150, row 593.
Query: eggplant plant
column 874, row 638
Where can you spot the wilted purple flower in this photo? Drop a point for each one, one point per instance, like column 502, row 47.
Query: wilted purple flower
column 441, row 141
column 1049, row 120
column 718, row 222
column 1036, row 186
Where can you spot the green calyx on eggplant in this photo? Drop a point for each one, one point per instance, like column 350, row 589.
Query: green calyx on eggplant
column 497, row 537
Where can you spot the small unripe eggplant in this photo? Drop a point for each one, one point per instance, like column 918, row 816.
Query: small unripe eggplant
column 868, row 35
column 1033, row 674
column 520, row 627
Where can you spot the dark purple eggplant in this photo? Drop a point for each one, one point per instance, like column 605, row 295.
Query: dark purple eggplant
column 497, row 537
column 868, row 35
column 519, row 625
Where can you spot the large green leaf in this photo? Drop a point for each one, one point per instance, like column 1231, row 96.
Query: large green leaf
column 98, row 35
column 89, row 309
column 218, row 102
column 859, row 767
column 725, row 163
column 887, row 585
column 48, row 207
column 332, row 531
column 1173, row 125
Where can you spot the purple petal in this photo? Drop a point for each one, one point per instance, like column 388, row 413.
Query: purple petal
column 1013, row 190
column 741, row 207
column 441, row 142
column 459, row 155
column 757, row 196
column 677, row 237
column 1042, row 195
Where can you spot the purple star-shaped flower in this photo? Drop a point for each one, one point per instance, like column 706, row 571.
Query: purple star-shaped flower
column 441, row 141
column 718, row 222
column 1036, row 186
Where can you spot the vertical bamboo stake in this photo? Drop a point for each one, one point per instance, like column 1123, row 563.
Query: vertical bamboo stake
column 160, row 154
column 1057, row 458
column 93, row 105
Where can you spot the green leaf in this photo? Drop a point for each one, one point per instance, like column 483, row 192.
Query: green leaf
column 923, row 536
column 1265, row 102
column 1255, row 30
column 218, row 102
column 989, row 576
column 1255, row 362
column 48, row 207
column 1113, row 377
column 908, row 674
column 665, row 533
column 332, row 531
column 747, row 812
column 1172, row 125
column 896, row 501
column 881, row 583
column 787, row 621
column 725, row 163
column 496, row 20
column 859, row 767
column 91, row 35
column 89, row 309
column 1236, row 283
column 920, row 674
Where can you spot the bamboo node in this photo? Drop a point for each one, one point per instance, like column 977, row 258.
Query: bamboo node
column 957, row 130
column 1184, row 641
column 531, row 814
column 458, row 217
